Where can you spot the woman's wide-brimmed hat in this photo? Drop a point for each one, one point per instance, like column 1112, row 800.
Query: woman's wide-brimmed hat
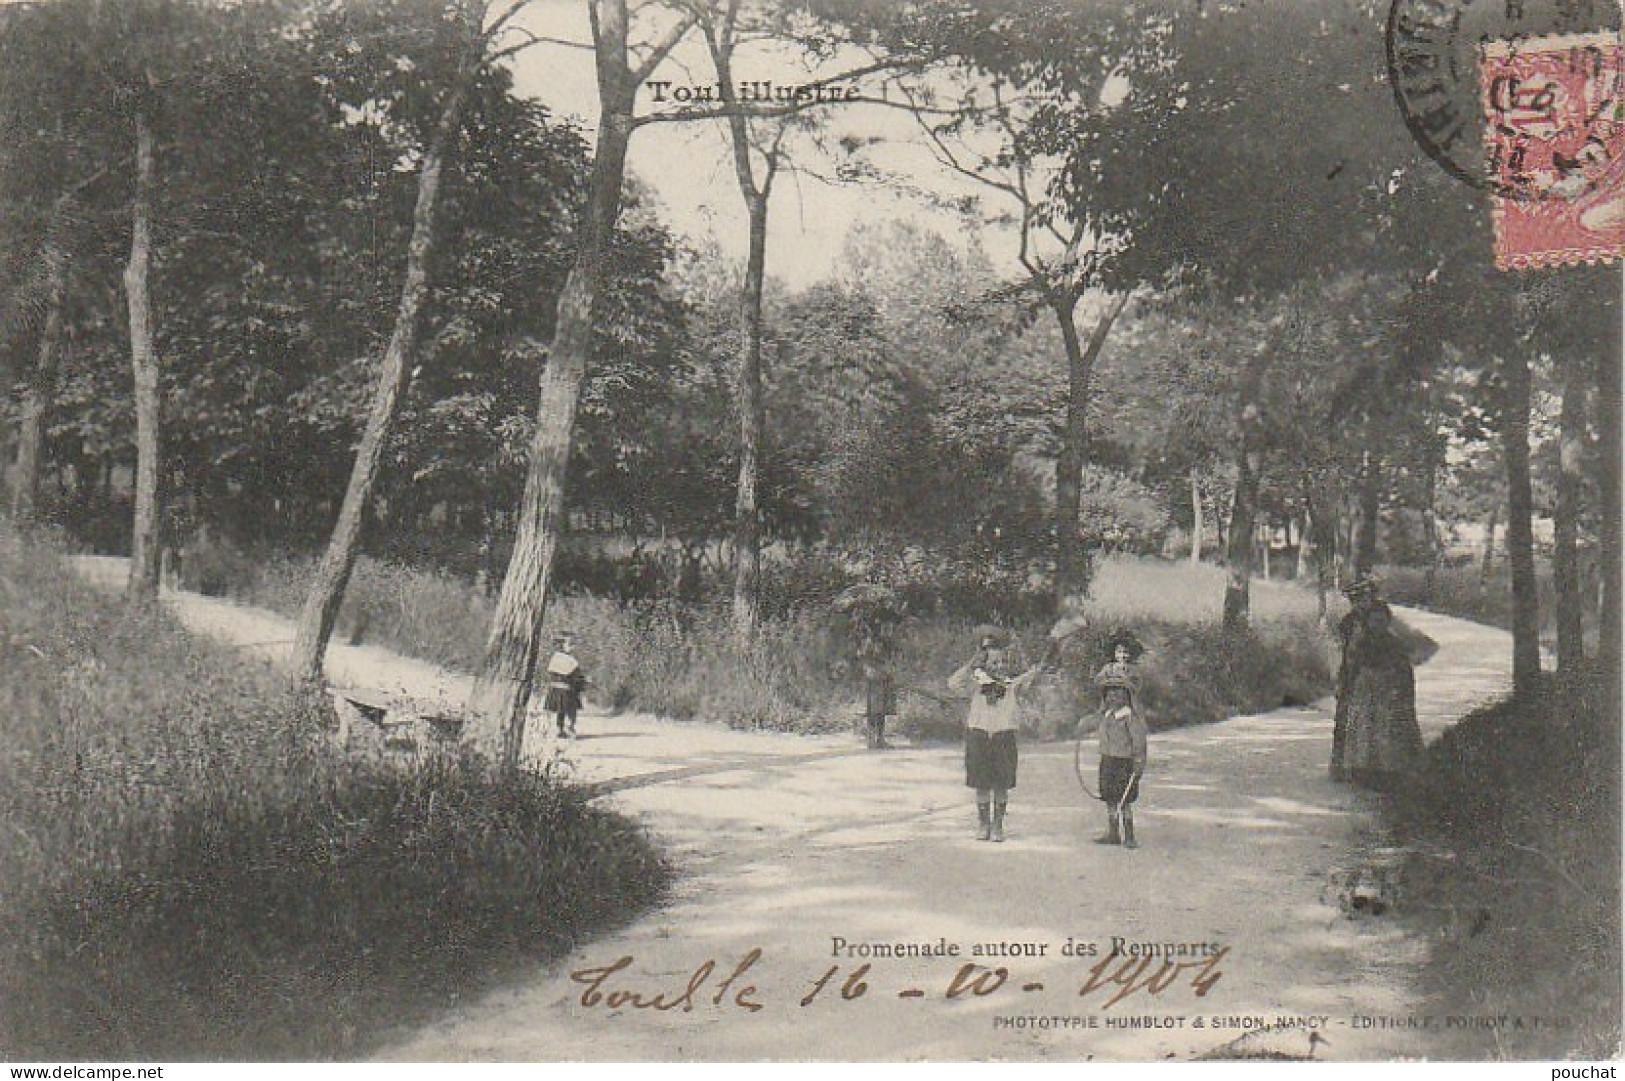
column 994, row 635
column 1126, row 639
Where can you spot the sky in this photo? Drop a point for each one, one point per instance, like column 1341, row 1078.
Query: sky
column 690, row 168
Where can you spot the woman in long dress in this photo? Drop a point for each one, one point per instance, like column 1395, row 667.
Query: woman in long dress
column 1383, row 740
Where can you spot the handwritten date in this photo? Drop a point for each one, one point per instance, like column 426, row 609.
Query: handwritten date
column 1115, row 977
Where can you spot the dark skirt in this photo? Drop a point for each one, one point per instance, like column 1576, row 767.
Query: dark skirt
column 562, row 700
column 1118, row 784
column 990, row 760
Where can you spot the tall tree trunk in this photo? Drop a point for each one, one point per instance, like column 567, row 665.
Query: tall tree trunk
column 1072, row 559
column 501, row 693
column 1365, row 552
column 747, row 516
column 1430, row 521
column 321, row 607
column 1569, row 602
column 748, row 381
column 1249, row 464
column 36, row 389
column 1322, row 529
column 1350, row 524
column 1520, row 533
column 30, row 442
column 1609, row 639
column 143, row 581
column 1301, row 564
column 1196, row 517
column 1243, row 515
column 1488, row 561
column 1266, row 534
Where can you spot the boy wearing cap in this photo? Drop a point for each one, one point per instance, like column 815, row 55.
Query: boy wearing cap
column 1123, row 735
column 565, row 684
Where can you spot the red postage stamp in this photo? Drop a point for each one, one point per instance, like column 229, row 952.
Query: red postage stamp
column 1555, row 136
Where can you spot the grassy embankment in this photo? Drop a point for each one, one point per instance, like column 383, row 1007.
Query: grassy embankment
column 682, row 662
column 188, row 873
column 1517, row 820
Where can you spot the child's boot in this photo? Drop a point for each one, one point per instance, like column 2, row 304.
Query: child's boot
column 986, row 824
column 1128, row 828
column 1110, row 837
column 998, row 821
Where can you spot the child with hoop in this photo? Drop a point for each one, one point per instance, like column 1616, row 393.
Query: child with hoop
column 1123, row 733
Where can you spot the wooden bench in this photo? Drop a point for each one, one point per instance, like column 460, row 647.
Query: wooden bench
column 395, row 716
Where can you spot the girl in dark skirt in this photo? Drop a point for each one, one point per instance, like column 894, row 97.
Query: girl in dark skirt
column 1122, row 741
column 565, row 684
column 990, row 730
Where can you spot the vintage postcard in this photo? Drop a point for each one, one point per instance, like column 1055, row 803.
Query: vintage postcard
column 559, row 531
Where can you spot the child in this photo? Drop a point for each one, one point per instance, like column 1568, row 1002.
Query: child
column 1122, row 741
column 879, row 702
column 565, row 684
column 990, row 729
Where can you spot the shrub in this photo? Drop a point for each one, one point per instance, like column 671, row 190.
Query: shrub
column 681, row 660
column 1192, row 673
column 190, row 873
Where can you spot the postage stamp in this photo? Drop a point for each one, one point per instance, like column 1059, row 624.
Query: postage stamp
column 1555, row 148
column 1434, row 54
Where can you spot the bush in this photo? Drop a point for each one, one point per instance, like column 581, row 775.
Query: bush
column 1192, row 673
column 681, row 660
column 190, row 872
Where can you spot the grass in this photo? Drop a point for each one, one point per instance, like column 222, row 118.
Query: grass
column 1130, row 589
column 682, row 661
column 188, row 873
column 1518, row 873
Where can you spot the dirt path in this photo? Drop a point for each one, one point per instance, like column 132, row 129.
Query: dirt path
column 789, row 843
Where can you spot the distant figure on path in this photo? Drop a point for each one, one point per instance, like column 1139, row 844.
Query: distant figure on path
column 1383, row 741
column 566, row 683
column 1123, row 735
column 1363, row 599
column 872, row 614
column 879, row 700
column 990, row 727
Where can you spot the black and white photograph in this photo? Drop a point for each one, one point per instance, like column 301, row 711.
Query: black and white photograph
column 811, row 531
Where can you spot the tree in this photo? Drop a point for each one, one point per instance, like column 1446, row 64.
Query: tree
column 721, row 32
column 57, row 199
column 1520, row 537
column 162, row 71
column 46, row 292
column 1568, row 601
column 501, row 693
column 321, row 605
column 999, row 130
